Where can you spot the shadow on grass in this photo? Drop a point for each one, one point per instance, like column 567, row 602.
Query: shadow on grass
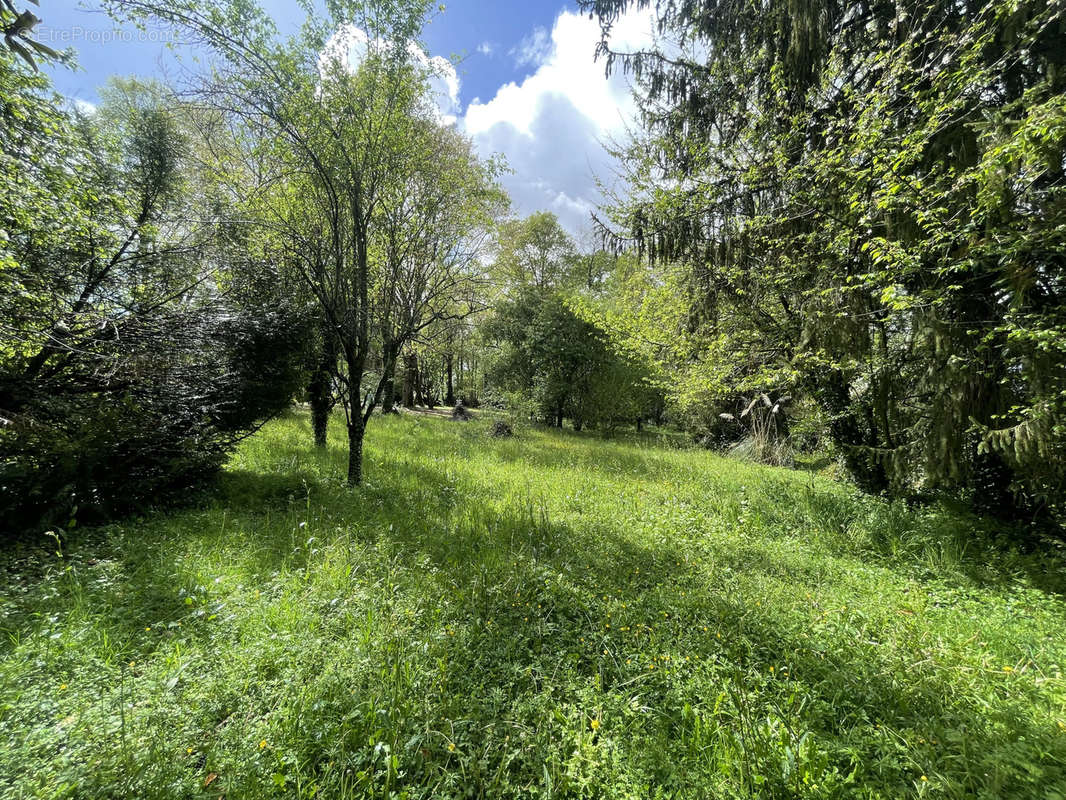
column 572, row 571
column 542, row 593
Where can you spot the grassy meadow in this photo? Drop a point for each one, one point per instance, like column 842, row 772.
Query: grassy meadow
column 549, row 616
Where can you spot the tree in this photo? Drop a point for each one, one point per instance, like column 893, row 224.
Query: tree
column 430, row 237
column 535, row 251
column 872, row 195
column 339, row 133
column 562, row 364
column 134, row 354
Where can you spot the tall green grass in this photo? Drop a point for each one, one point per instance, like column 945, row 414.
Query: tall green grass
column 546, row 616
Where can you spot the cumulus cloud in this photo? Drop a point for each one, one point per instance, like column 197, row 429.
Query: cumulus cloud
column 551, row 126
column 349, row 46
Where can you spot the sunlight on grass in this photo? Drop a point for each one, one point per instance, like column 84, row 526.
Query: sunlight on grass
column 549, row 615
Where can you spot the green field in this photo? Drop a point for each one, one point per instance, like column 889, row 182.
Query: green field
column 552, row 615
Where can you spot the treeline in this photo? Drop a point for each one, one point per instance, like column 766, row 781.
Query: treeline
column 547, row 359
column 174, row 270
column 299, row 222
column 843, row 231
column 859, row 208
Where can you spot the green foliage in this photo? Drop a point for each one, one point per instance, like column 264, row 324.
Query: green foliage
column 536, row 252
column 129, row 365
column 699, row 373
column 869, row 201
column 550, row 615
column 17, row 30
column 563, row 364
column 377, row 209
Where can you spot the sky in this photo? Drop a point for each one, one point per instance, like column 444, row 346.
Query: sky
column 524, row 84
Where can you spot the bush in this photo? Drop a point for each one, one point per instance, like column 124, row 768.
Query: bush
column 181, row 390
column 501, row 430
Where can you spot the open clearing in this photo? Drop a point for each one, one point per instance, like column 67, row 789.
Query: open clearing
column 552, row 615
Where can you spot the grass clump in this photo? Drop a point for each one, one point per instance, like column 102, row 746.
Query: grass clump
column 551, row 615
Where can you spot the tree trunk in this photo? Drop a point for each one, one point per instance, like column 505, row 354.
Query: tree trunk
column 320, row 389
column 388, row 391
column 559, row 417
column 388, row 394
column 833, row 393
column 355, row 449
column 319, row 421
column 449, row 398
column 410, row 376
column 422, row 396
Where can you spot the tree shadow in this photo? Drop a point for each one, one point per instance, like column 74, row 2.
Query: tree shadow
column 539, row 588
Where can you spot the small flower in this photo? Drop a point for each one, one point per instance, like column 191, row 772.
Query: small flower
column 594, row 724
column 924, row 778
column 63, row 686
column 451, row 747
column 262, row 744
column 1008, row 669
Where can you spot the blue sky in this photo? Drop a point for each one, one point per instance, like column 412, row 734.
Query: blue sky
column 528, row 87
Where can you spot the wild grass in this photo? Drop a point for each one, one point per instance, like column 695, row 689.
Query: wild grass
column 546, row 616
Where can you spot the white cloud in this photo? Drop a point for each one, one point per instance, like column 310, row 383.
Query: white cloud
column 350, row 44
column 486, row 48
column 533, row 49
column 551, row 126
